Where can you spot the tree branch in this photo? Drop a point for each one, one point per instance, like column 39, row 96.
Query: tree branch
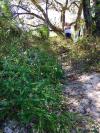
column 27, row 13
column 34, row 25
column 73, row 3
column 60, row 4
column 39, row 7
column 18, row 6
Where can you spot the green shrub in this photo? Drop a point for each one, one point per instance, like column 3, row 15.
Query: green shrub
column 85, row 55
column 31, row 91
column 43, row 32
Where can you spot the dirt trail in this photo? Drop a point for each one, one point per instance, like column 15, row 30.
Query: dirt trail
column 83, row 92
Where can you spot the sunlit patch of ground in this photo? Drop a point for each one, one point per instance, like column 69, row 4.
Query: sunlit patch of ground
column 84, row 94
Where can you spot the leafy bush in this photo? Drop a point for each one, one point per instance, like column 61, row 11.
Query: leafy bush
column 43, row 32
column 84, row 55
column 30, row 89
column 4, row 9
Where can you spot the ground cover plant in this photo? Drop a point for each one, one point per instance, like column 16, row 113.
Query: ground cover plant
column 30, row 88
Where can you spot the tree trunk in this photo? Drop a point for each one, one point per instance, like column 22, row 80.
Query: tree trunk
column 47, row 16
column 97, row 17
column 77, row 25
column 87, row 16
column 63, row 18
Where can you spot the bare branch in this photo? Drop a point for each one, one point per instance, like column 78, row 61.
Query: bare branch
column 39, row 7
column 73, row 3
column 28, row 13
column 33, row 25
column 60, row 4
column 66, row 2
column 18, row 6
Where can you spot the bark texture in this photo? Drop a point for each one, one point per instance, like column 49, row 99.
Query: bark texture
column 87, row 15
column 97, row 17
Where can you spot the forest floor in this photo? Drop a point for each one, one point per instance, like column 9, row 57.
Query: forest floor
column 82, row 92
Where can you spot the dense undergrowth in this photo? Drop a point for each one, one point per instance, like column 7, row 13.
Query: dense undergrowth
column 83, row 56
column 30, row 89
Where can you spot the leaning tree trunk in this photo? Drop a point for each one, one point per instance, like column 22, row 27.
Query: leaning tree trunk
column 87, row 16
column 45, row 18
column 97, row 17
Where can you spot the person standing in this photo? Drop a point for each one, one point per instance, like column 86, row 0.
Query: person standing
column 67, row 30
